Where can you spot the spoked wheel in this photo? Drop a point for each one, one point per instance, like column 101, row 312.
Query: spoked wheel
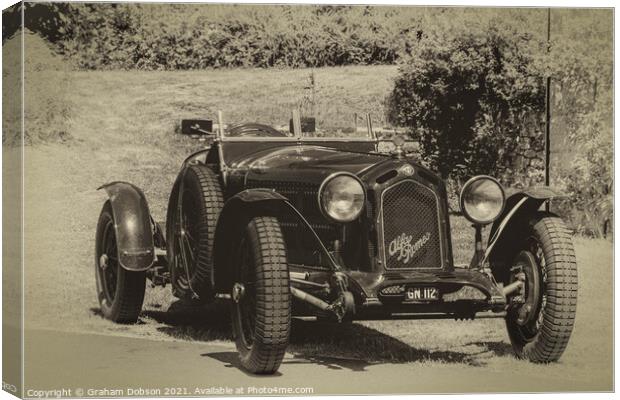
column 261, row 307
column 120, row 292
column 541, row 317
column 193, row 209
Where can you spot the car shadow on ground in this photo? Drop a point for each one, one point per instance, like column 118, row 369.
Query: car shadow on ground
column 230, row 359
column 188, row 320
column 350, row 346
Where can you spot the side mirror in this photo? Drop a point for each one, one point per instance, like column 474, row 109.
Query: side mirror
column 195, row 127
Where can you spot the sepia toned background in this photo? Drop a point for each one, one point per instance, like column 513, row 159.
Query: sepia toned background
column 105, row 86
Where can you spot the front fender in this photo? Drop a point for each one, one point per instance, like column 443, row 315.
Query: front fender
column 508, row 228
column 236, row 214
column 132, row 223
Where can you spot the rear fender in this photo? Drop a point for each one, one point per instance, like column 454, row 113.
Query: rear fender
column 507, row 231
column 133, row 225
column 236, row 214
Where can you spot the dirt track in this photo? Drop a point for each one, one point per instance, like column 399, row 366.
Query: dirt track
column 128, row 363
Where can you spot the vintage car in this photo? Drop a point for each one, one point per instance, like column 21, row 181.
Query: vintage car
column 293, row 222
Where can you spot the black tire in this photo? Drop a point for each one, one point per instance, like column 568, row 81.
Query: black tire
column 191, row 220
column 548, row 260
column 262, row 316
column 120, row 292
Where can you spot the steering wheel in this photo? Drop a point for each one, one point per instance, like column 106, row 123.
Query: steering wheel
column 254, row 130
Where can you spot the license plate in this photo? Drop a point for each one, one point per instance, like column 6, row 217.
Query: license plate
column 422, row 293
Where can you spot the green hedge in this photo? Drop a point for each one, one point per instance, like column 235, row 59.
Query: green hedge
column 166, row 37
column 195, row 36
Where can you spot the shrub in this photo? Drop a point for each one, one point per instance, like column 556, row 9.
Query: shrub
column 465, row 96
column 474, row 98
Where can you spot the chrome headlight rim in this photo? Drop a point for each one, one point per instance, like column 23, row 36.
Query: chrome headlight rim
column 324, row 184
column 464, row 191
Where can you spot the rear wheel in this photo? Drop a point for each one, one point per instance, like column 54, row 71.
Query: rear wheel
column 193, row 209
column 120, row 292
column 261, row 308
column 540, row 318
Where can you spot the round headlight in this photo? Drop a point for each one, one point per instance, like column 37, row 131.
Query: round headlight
column 482, row 199
column 341, row 197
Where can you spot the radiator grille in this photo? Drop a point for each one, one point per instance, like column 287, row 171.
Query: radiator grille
column 411, row 232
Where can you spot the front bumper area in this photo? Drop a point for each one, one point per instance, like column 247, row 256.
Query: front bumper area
column 384, row 295
column 390, row 296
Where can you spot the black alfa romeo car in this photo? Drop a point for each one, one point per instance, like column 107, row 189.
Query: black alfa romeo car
column 293, row 222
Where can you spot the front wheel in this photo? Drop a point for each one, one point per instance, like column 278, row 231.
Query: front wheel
column 540, row 318
column 120, row 292
column 261, row 308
